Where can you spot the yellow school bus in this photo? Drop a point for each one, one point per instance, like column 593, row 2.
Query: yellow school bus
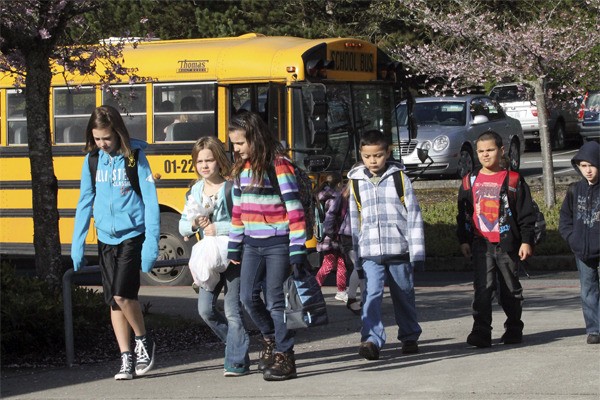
column 317, row 96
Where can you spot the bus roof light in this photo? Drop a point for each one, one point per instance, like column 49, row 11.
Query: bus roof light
column 291, row 69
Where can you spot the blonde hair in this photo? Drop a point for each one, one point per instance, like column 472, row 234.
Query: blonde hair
column 218, row 149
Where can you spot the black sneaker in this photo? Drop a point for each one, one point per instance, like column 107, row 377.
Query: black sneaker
column 354, row 306
column 410, row 347
column 265, row 357
column 593, row 339
column 144, row 355
column 126, row 371
column 283, row 367
column 512, row 337
column 368, row 351
column 480, row 339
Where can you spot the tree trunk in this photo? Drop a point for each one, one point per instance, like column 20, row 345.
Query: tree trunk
column 545, row 143
column 44, row 185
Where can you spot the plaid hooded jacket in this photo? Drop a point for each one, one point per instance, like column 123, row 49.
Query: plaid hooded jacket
column 385, row 230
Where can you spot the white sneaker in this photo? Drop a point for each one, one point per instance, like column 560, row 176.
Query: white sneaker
column 341, row 296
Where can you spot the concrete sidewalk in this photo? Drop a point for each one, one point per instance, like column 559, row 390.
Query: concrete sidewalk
column 553, row 362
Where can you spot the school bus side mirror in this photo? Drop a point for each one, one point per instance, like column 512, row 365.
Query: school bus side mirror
column 317, row 122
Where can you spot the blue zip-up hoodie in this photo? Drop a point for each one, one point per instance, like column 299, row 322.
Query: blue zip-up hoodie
column 579, row 222
column 119, row 213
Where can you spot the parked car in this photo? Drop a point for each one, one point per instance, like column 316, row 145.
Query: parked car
column 589, row 116
column 447, row 128
column 517, row 100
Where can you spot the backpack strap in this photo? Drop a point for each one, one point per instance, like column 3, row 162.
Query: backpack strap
column 229, row 196
column 93, row 164
column 130, row 170
column 513, row 182
column 356, row 194
column 399, row 183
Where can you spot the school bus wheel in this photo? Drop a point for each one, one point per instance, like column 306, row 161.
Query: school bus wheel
column 170, row 247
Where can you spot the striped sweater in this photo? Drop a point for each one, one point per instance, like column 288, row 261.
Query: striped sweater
column 259, row 218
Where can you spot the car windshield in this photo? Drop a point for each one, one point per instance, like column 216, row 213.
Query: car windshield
column 593, row 101
column 453, row 113
column 506, row 94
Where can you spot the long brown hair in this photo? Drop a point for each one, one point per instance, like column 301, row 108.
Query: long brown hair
column 262, row 143
column 107, row 117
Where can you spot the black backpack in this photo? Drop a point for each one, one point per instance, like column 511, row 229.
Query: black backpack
column 305, row 305
column 130, row 170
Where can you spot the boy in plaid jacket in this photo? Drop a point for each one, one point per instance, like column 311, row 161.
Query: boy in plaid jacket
column 388, row 237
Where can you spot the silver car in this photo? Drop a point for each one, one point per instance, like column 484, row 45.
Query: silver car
column 447, row 128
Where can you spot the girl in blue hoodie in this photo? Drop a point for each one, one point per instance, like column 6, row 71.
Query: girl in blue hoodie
column 127, row 222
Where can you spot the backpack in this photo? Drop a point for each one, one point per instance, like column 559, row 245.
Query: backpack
column 130, row 170
column 398, row 182
column 305, row 305
column 304, row 191
column 539, row 228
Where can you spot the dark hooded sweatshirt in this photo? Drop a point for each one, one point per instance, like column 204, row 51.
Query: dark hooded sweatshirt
column 579, row 222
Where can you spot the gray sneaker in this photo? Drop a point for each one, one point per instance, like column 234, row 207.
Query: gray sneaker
column 144, row 355
column 126, row 371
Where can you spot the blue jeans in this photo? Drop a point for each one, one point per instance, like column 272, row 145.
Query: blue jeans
column 492, row 264
column 229, row 327
column 265, row 269
column 402, row 291
column 590, row 295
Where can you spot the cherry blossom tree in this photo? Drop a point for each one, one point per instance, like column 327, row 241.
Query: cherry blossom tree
column 468, row 43
column 36, row 43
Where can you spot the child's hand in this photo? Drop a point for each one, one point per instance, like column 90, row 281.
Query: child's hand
column 202, row 222
column 210, row 230
column 525, row 251
column 465, row 249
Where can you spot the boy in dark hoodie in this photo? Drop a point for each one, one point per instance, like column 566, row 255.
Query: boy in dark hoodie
column 579, row 225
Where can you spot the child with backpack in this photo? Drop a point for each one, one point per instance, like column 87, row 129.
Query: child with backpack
column 335, row 206
column 495, row 228
column 212, row 190
column 388, row 238
column 268, row 227
column 127, row 221
column 579, row 225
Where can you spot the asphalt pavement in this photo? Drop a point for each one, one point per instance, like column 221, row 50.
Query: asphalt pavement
column 553, row 362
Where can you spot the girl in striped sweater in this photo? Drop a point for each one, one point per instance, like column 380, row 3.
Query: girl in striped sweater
column 268, row 227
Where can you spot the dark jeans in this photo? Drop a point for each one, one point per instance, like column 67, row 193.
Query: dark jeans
column 492, row 264
column 264, row 269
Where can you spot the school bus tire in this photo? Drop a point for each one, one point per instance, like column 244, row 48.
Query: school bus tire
column 171, row 246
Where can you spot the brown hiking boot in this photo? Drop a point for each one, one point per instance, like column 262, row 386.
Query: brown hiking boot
column 265, row 357
column 284, row 367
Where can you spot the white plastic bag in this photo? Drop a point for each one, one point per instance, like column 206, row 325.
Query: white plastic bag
column 208, row 260
column 193, row 209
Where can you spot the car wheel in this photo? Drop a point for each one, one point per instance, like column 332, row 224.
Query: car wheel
column 514, row 156
column 465, row 162
column 558, row 137
column 171, row 246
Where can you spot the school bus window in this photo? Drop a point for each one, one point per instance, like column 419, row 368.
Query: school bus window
column 133, row 99
column 184, row 112
column 72, row 109
column 15, row 118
